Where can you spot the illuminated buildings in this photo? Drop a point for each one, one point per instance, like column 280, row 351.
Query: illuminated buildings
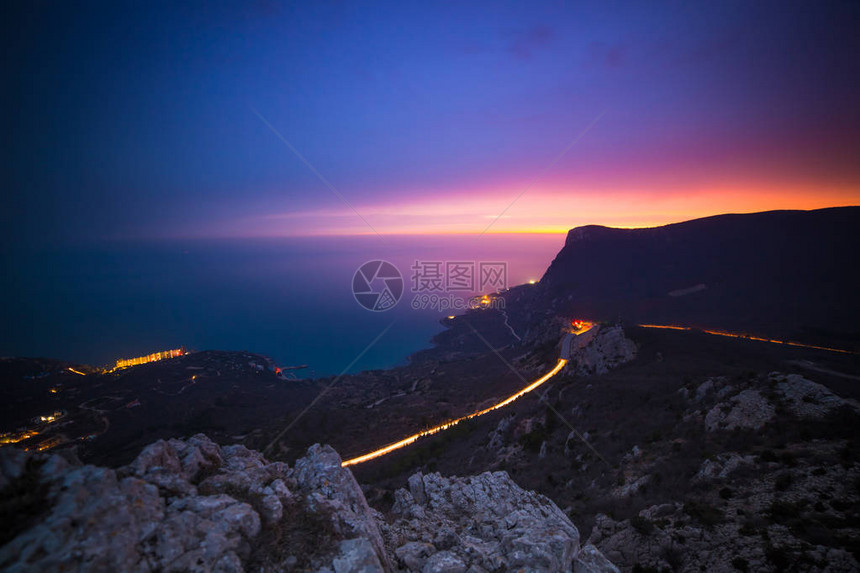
column 155, row 356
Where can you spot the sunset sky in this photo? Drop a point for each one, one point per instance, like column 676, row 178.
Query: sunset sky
column 145, row 120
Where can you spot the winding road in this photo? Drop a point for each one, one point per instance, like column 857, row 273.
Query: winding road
column 564, row 357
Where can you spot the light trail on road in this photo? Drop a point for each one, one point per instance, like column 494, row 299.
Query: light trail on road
column 746, row 337
column 436, row 429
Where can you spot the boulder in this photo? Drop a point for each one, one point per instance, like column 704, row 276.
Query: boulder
column 748, row 409
column 484, row 522
column 599, row 350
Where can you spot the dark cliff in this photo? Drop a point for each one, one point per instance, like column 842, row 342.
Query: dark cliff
column 787, row 273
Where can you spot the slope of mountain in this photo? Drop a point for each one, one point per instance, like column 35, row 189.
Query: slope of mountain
column 783, row 273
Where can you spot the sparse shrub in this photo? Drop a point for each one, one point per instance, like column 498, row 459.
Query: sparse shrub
column 654, row 436
column 642, row 525
column 704, row 513
column 788, row 458
column 303, row 533
column 847, row 455
column 779, row 556
column 550, row 420
column 22, row 501
column 819, row 472
column 784, row 511
column 673, row 556
column 840, row 505
column 532, row 441
column 767, row 456
column 782, row 482
column 747, row 529
column 726, row 493
column 741, row 564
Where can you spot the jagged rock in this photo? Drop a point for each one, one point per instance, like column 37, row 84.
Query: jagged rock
column 591, row 560
column 334, row 488
column 190, row 505
column 444, row 562
column 808, row 399
column 94, row 523
column 356, row 556
column 186, row 459
column 571, row 435
column 181, row 505
column 416, row 488
column 497, row 436
column 710, row 534
column 11, row 465
column 446, row 538
column 600, row 349
column 543, row 450
column 631, row 487
column 485, row 522
column 634, row 454
column 717, row 384
column 722, row 466
column 748, row 409
column 413, row 555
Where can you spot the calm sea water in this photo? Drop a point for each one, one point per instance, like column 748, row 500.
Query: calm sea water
column 290, row 299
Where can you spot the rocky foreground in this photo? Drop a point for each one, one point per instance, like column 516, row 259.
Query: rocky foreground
column 192, row 505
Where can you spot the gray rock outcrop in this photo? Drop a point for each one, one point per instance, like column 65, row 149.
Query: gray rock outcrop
column 482, row 523
column 748, row 409
column 192, row 505
column 807, row 399
column 600, row 349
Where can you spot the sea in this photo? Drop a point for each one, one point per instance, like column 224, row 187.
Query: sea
column 292, row 299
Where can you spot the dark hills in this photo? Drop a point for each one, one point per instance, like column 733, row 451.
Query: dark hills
column 786, row 273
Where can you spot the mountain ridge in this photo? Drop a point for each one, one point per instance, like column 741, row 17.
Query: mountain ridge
column 782, row 273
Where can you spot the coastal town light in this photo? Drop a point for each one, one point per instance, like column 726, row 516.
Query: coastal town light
column 154, row 357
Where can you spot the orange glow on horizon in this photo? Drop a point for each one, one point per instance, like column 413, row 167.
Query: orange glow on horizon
column 552, row 210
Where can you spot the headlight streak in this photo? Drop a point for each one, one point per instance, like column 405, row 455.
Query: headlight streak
column 436, row 429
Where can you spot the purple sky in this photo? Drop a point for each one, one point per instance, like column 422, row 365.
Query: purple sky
column 138, row 119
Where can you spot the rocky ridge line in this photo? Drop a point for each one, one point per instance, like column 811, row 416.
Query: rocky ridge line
column 192, row 505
